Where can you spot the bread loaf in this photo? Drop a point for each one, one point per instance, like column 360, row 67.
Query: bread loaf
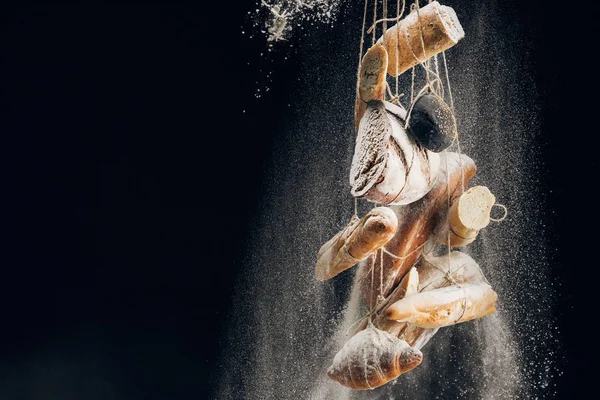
column 416, row 223
column 420, row 35
column 452, row 289
column 372, row 358
column 388, row 166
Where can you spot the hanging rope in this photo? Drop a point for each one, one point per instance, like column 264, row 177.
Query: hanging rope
column 384, row 16
column 372, row 282
column 362, row 45
column 374, row 22
column 505, row 213
column 380, row 297
column 462, row 170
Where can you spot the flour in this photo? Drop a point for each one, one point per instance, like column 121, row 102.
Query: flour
column 286, row 15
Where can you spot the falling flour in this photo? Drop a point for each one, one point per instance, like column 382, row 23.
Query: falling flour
column 285, row 15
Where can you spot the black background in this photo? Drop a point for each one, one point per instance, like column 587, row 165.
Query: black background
column 120, row 128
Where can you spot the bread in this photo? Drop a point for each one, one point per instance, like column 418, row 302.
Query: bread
column 420, row 35
column 416, row 223
column 468, row 214
column 356, row 242
column 452, row 290
column 408, row 286
column 372, row 358
column 371, row 80
column 431, row 122
column 388, row 166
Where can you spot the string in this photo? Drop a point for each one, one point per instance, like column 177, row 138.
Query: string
column 374, row 22
column 462, row 170
column 372, row 282
column 440, row 86
column 422, row 41
column 505, row 213
column 384, row 16
column 412, row 85
column 380, row 297
column 362, row 45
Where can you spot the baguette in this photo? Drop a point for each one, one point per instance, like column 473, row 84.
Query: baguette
column 388, row 166
column 356, row 242
column 420, row 35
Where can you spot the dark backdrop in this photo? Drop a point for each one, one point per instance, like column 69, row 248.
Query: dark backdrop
column 129, row 173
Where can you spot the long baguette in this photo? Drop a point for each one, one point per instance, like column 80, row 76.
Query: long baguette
column 420, row 35
column 445, row 306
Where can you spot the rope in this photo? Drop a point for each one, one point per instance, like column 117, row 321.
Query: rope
column 505, row 213
column 422, row 40
column 462, row 170
column 440, row 86
column 362, row 45
column 360, row 55
column 380, row 297
column 386, row 251
column 448, row 80
column 374, row 22
column 448, row 209
column 389, row 253
column 372, row 282
column 398, row 14
column 385, row 15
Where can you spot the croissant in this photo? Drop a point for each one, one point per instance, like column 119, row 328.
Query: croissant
column 372, row 358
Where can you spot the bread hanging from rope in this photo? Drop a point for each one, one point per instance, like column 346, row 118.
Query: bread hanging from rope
column 468, row 214
column 423, row 33
column 431, row 122
column 372, row 358
column 388, row 166
column 416, row 223
column 452, row 289
column 444, row 306
column 359, row 239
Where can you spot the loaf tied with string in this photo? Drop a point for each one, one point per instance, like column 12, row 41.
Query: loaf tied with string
column 388, row 166
column 372, row 358
column 431, row 122
column 422, row 34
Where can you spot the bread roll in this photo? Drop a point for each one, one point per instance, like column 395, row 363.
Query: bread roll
column 444, row 306
column 431, row 122
column 420, row 35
